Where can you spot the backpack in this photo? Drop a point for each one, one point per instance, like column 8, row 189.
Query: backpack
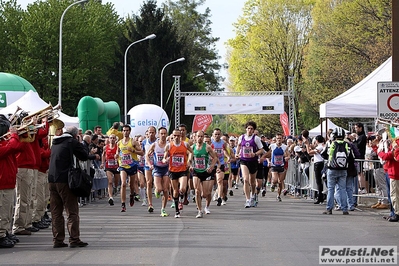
column 339, row 156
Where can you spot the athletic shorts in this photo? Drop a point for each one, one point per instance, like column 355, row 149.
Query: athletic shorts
column 177, row 175
column 213, row 173
column 234, row 171
column 160, row 171
column 129, row 171
column 278, row 169
column 112, row 170
column 259, row 174
column 203, row 176
column 226, row 176
column 251, row 165
column 140, row 169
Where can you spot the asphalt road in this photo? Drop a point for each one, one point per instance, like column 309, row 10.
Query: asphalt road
column 274, row 233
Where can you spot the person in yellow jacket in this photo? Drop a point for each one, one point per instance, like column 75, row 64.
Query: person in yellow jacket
column 115, row 130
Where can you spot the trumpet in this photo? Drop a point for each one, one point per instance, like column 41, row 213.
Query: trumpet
column 21, row 130
column 387, row 122
column 49, row 112
column 14, row 118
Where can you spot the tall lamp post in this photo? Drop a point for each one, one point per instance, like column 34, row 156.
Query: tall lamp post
column 177, row 60
column 149, row 37
column 60, row 51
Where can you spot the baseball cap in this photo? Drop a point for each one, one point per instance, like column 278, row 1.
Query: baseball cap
column 232, row 138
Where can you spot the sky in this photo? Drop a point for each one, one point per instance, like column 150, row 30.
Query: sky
column 223, row 14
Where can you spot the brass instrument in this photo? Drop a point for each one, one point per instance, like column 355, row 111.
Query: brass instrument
column 49, row 112
column 14, row 118
column 23, row 129
column 388, row 124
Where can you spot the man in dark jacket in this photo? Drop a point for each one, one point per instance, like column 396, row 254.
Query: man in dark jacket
column 61, row 196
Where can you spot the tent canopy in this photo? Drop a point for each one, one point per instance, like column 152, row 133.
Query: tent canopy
column 31, row 103
column 361, row 99
column 317, row 130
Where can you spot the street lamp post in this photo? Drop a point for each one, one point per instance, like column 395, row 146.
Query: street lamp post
column 149, row 37
column 60, row 51
column 177, row 60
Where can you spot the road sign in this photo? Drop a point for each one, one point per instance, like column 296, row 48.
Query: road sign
column 388, row 100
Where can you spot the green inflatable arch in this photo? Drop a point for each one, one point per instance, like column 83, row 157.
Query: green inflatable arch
column 93, row 112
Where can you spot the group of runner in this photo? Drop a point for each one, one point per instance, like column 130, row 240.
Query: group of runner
column 176, row 164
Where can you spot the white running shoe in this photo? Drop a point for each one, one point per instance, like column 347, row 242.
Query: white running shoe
column 207, row 211
column 200, row 214
column 248, row 204
column 215, row 196
column 224, row 202
column 177, row 215
column 144, row 203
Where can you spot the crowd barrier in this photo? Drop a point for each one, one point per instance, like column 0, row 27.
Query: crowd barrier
column 299, row 184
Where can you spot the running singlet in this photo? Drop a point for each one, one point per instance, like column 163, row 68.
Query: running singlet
column 158, row 156
column 145, row 146
column 127, row 159
column 234, row 165
column 278, row 154
column 247, row 148
column 201, row 158
column 110, row 161
column 218, row 148
column 178, row 157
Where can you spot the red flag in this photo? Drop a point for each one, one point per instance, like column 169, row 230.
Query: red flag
column 284, row 123
column 201, row 122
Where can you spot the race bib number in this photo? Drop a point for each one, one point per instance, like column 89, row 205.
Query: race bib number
column 219, row 152
column 178, row 160
column 112, row 163
column 278, row 160
column 247, row 151
column 159, row 159
column 199, row 163
column 126, row 159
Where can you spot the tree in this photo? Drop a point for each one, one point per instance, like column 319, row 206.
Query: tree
column 350, row 39
column 10, row 23
column 268, row 48
column 89, row 42
column 194, row 30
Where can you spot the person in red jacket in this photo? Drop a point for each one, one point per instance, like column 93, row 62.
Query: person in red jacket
column 390, row 154
column 8, row 175
column 26, row 162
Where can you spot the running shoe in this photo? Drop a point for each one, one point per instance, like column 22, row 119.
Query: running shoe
column 236, row 186
column 136, row 197
column 268, row 184
column 252, row 202
column 177, row 215
column 194, row 199
column 263, row 192
column 272, row 188
column 123, row 208
column 225, row 198
column 215, row 196
column 200, row 214
column 131, row 200
column 111, row 201
column 224, row 202
column 248, row 204
column 180, row 206
column 206, row 210
column 285, row 192
column 144, row 203
column 231, row 193
column 278, row 198
column 157, row 194
column 172, row 205
column 150, row 209
column 164, row 213
column 219, row 202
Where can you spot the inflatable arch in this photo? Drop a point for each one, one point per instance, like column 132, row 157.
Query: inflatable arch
column 93, row 112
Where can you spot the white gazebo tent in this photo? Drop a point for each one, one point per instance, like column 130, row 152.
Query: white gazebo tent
column 317, row 130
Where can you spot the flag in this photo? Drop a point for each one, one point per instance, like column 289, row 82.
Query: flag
column 201, row 122
column 284, row 123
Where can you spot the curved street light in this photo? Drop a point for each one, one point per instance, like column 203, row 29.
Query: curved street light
column 60, row 51
column 177, row 60
column 149, row 37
